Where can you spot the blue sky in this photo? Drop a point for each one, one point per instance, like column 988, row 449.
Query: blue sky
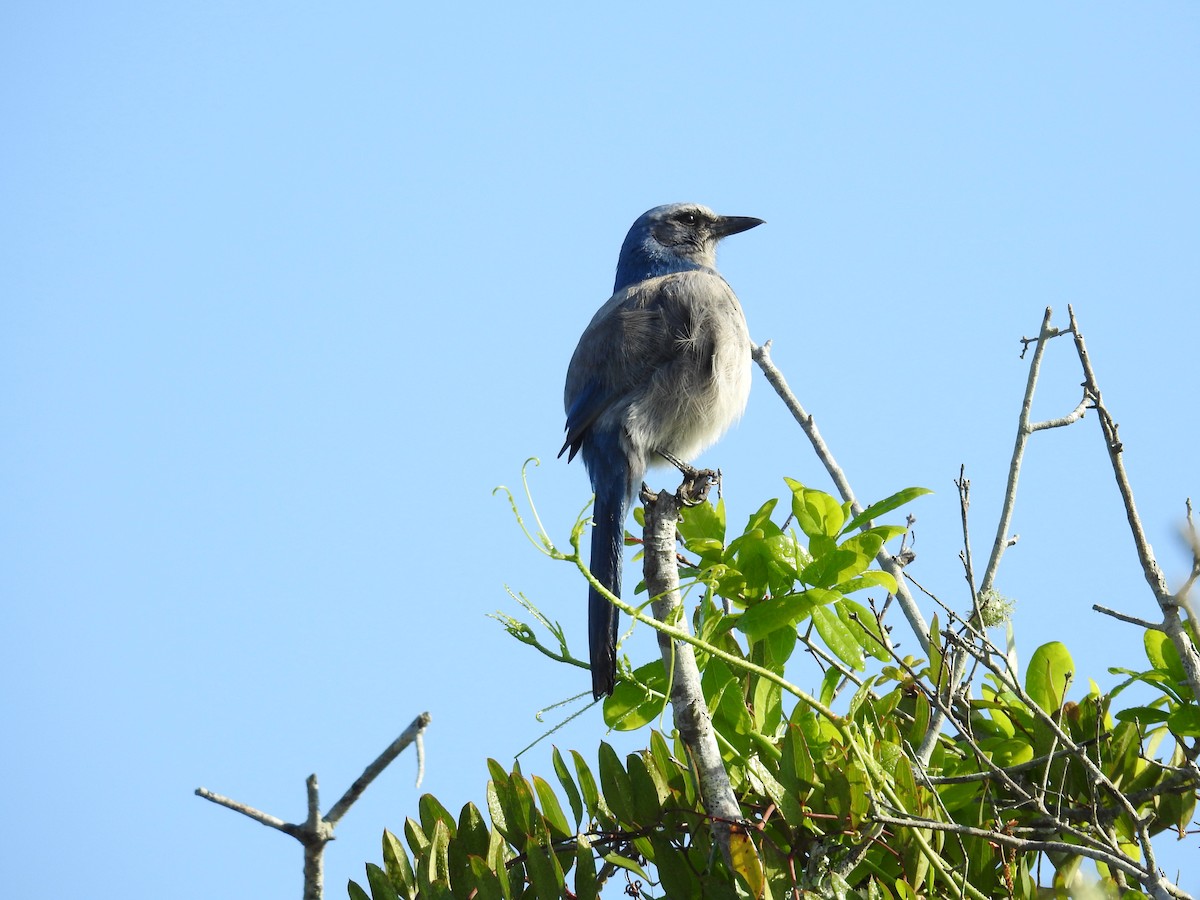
column 289, row 288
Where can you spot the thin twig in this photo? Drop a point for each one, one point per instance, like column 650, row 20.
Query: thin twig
column 1132, row 620
column 1167, row 604
column 912, row 612
column 371, row 772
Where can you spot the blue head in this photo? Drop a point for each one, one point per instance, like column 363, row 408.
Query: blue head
column 677, row 237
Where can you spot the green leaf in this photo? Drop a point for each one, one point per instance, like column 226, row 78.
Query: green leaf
column 1161, row 651
column 817, row 513
column 487, row 883
column 862, row 624
column 395, row 863
column 587, row 785
column 704, row 522
column 869, row 579
column 417, row 840
column 785, row 611
column 432, row 812
column 647, row 796
column 496, row 859
column 568, row 785
column 1009, row 752
column 381, row 886
column 615, row 782
column 1147, row 715
column 523, row 811
column 627, row 864
column 786, row 800
column 827, row 567
column 886, row 505
column 637, row 701
column 551, row 809
column 433, row 871
column 471, row 839
column 356, row 892
column 544, row 869
column 496, row 811
column 829, row 684
column 675, row 874
column 1184, row 721
column 1049, row 676
column 837, row 638
column 585, row 870
column 936, row 659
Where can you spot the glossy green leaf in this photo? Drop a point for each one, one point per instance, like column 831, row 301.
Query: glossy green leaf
column 864, row 627
column 1049, row 676
column 829, row 683
column 552, row 810
column 471, row 839
column 936, row 659
column 523, row 813
column 817, row 513
column 886, row 505
column 676, row 875
column 638, row 701
column 433, row 870
column 586, row 887
column 1184, row 721
column 1147, row 715
column 496, row 811
column 629, row 865
column 704, row 522
column 644, row 792
column 615, row 782
column 418, row 842
column 486, row 883
column 432, row 812
column 381, row 885
column 870, row 579
column 568, row 786
column 395, row 863
column 587, row 786
column 837, row 638
column 356, row 892
column 827, row 568
column 496, row 862
column 543, row 866
column 785, row 611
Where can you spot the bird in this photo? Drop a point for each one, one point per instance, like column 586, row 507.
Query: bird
column 659, row 374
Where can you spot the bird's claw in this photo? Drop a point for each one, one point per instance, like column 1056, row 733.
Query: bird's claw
column 696, row 485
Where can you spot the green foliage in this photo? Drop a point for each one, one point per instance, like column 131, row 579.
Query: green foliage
column 833, row 803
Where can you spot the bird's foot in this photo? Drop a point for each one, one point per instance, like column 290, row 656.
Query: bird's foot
column 696, row 485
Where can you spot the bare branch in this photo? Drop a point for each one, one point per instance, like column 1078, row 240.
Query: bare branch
column 371, row 772
column 1172, row 624
column 691, row 714
column 912, row 612
column 1046, row 332
column 316, row 831
column 246, row 810
column 1122, row 617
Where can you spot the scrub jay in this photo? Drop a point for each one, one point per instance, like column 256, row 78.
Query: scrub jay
column 659, row 374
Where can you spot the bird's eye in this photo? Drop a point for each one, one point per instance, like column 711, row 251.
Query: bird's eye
column 688, row 218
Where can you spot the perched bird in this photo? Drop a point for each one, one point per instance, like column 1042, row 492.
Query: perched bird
column 659, row 374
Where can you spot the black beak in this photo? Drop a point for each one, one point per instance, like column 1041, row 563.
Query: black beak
column 727, row 225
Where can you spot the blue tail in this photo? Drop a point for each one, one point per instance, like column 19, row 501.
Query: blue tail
column 613, row 483
column 607, row 554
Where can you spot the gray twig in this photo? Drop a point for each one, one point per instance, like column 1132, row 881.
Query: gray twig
column 912, row 612
column 317, row 830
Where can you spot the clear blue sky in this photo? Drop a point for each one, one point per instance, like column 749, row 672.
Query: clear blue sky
column 289, row 288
